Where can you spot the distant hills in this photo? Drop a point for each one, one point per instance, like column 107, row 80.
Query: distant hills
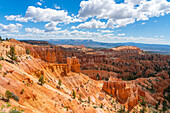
column 36, row 42
column 156, row 48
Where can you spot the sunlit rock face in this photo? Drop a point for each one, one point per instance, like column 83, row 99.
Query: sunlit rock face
column 125, row 92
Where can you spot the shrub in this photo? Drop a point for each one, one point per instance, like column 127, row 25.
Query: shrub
column 88, row 99
column 22, row 91
column 41, row 80
column 27, row 51
column 59, row 82
column 80, row 97
column 101, row 106
column 0, row 67
column 143, row 101
column 1, row 58
column 8, row 94
column 74, row 94
column 165, row 106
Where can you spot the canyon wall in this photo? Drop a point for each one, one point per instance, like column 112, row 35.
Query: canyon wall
column 125, row 92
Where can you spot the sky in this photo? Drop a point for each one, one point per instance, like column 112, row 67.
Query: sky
column 112, row 21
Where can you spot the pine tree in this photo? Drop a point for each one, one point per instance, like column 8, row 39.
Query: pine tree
column 0, row 38
column 7, row 39
column 12, row 53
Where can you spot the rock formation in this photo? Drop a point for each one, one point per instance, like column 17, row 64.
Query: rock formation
column 125, row 92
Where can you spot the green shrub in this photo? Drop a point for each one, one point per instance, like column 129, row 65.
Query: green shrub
column 0, row 67
column 88, row 99
column 22, row 91
column 101, row 106
column 41, row 80
column 80, row 97
column 59, row 82
column 74, row 94
column 1, row 58
column 8, row 94
column 27, row 51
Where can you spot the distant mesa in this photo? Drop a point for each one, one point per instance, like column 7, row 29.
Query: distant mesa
column 125, row 48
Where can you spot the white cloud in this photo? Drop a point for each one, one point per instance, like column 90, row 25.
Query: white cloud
column 12, row 17
column 34, row 30
column 17, row 18
column 91, row 24
column 37, row 14
column 143, row 23
column 161, row 36
column 11, row 27
column 106, row 31
column 47, row 15
column 119, row 15
column 39, row 3
column 122, row 34
column 50, row 27
column 57, row 7
column 73, row 27
column 134, row 2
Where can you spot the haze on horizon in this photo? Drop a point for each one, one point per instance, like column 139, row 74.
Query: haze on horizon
column 139, row 21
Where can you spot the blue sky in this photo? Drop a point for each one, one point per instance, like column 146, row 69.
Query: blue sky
column 141, row 21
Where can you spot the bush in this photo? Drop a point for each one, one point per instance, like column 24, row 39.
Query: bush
column 101, row 106
column 41, row 80
column 8, row 94
column 59, row 82
column 80, row 97
column 74, row 94
column 1, row 58
column 0, row 67
column 88, row 99
column 22, row 91
column 27, row 51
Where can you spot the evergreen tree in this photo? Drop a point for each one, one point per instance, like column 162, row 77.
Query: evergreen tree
column 0, row 38
column 7, row 39
column 12, row 53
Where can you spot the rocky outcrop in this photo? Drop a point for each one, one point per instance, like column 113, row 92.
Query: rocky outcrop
column 73, row 64
column 125, row 92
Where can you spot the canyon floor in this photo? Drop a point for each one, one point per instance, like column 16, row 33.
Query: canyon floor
column 81, row 84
